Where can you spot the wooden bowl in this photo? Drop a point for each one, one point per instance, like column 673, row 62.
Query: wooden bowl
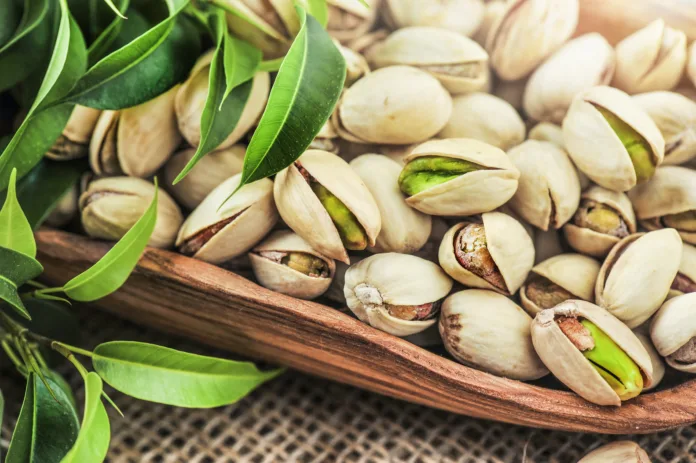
column 211, row 305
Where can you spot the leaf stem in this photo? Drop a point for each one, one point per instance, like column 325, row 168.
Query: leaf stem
column 36, row 284
column 65, row 352
column 55, row 345
column 13, row 357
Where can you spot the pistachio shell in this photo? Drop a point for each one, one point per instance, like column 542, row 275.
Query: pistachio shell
column 652, row 58
column 547, row 131
column 335, row 291
column 567, row 362
column 637, row 274
column 73, row 143
column 258, row 32
column 691, row 64
column 488, row 331
column 494, row 10
column 673, row 327
column 685, row 282
column 461, row 16
column 658, row 363
column 510, row 248
column 617, row 452
column 549, row 190
column 486, row 118
column 103, row 153
column 393, row 279
column 223, row 232
column 471, row 193
column 326, row 139
column 356, row 64
column 351, row 19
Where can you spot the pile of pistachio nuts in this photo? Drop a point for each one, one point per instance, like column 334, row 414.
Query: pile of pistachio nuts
column 488, row 181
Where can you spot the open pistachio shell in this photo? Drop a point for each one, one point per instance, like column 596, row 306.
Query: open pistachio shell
column 286, row 263
column 673, row 332
column 685, row 281
column 611, row 139
column 356, row 64
column 494, row 253
column 549, row 190
column 617, row 452
column 656, row 359
column 217, row 233
column 557, row 279
column 637, row 274
column 488, row 331
column 351, row 19
column 461, row 16
column 306, row 214
column 73, row 143
column 396, row 293
column 326, row 139
column 490, row 184
column 567, row 362
column 603, row 218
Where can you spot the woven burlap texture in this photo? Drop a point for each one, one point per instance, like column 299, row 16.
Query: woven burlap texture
column 298, row 418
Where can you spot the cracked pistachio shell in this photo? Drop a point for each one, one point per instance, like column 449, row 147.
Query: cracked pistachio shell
column 190, row 102
column 656, row 359
column 458, row 62
column 73, row 143
column 674, row 326
column 672, row 190
column 494, row 10
column 575, row 273
column 487, row 118
column 111, row 206
column 488, row 331
column 471, row 193
column 592, row 242
column 209, row 172
column 404, row 229
column 351, row 19
column 284, row 279
column 567, row 363
column 302, row 210
column 461, row 16
column 580, row 64
column 217, row 234
column 617, row 452
column 65, row 210
column 527, row 32
column 549, row 190
column 326, row 139
column 652, row 58
column 685, row 282
column 509, row 245
column 383, row 108
column 391, row 279
column 637, row 274
column 593, row 145
column 675, row 116
column 356, row 64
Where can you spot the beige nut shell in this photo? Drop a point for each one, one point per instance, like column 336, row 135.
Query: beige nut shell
column 658, row 362
column 461, row 16
column 687, row 267
column 673, row 326
column 617, row 452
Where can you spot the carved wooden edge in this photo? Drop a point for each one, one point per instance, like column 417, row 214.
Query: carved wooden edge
column 210, row 305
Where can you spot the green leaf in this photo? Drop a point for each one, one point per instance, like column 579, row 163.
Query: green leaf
column 54, row 321
column 63, row 385
column 112, row 32
column 240, row 9
column 112, row 270
column 304, row 94
column 318, row 9
column 10, row 16
column 114, row 8
column 241, row 61
column 2, row 411
column 92, row 443
column 272, row 65
column 47, row 428
column 163, row 375
column 15, row 270
column 15, row 230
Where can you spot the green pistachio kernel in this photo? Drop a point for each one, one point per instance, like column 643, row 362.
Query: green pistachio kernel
column 428, row 171
column 600, row 218
column 306, row 263
column 352, row 233
column 683, row 221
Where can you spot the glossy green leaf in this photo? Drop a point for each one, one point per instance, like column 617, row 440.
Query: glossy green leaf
column 112, row 270
column 103, row 43
column 47, row 427
column 15, row 230
column 242, row 10
column 163, row 375
column 303, row 97
column 92, row 443
column 272, row 65
column 15, row 270
column 115, row 9
column 63, row 385
column 241, row 61
column 318, row 9
column 10, row 15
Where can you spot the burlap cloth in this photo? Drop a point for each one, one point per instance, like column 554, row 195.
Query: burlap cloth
column 299, row 418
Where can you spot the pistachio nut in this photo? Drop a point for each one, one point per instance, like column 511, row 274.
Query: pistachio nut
column 547, row 131
column 209, row 172
column 549, row 189
column 511, row 91
column 685, row 281
column 691, row 65
column 397, row 293
column 326, row 139
column 383, row 108
column 673, row 332
column 460, row 16
column 494, row 9
column 286, row 263
column 558, row 279
column 73, row 143
column 457, row 177
column 580, row 64
column 487, row 118
column 675, row 116
column 458, row 62
column 65, row 210
column 637, row 274
column 658, row 363
column 135, row 141
column 111, row 206
column 617, row 452
column 219, row 230
column 546, row 244
column 190, row 102
column 527, row 32
column 591, row 352
column 268, row 25
column 611, row 139
column 364, row 42
column 602, row 220
column 493, row 251
column 356, row 64
column 351, row 19
column 668, row 200
column 488, row 331
column 652, row 58
column 404, row 229
column 325, row 202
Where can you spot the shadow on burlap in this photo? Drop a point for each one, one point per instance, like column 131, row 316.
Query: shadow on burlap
column 298, row 418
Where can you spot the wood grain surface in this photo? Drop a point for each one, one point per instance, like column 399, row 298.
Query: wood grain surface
column 208, row 304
